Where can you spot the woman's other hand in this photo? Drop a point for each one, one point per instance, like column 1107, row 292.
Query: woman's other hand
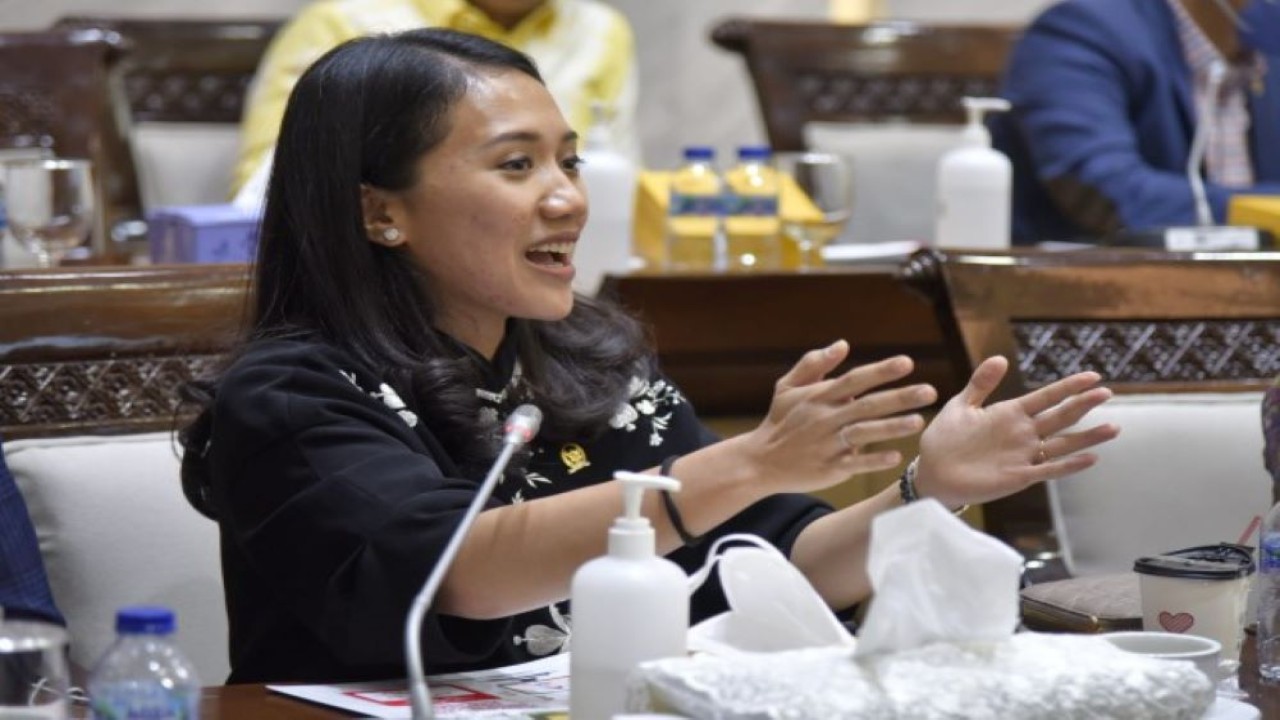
column 817, row 428
column 973, row 454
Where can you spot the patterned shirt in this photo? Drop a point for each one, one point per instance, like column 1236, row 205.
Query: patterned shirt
column 583, row 48
column 24, row 586
column 1227, row 159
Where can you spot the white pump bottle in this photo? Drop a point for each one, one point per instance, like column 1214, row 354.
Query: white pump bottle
column 610, row 178
column 975, row 186
column 628, row 606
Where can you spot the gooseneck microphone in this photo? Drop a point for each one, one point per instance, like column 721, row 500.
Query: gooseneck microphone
column 1206, row 234
column 519, row 429
column 1200, row 143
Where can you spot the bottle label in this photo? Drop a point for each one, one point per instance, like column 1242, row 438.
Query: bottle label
column 754, row 205
column 1269, row 553
column 132, row 701
column 682, row 204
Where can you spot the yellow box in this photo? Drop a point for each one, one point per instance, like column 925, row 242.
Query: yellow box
column 1260, row 211
column 653, row 189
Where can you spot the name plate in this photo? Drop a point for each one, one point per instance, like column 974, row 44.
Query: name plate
column 1223, row 237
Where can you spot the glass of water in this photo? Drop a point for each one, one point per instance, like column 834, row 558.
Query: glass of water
column 50, row 205
column 34, row 674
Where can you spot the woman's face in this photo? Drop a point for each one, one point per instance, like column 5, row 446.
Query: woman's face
column 497, row 209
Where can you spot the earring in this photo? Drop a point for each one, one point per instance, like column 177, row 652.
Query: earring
column 391, row 234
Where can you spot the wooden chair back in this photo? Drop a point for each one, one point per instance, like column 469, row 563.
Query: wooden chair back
column 1148, row 321
column 885, row 71
column 105, row 350
column 186, row 70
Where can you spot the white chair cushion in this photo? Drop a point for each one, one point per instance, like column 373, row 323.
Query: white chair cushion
column 895, row 168
column 1186, row 470
column 115, row 530
column 184, row 163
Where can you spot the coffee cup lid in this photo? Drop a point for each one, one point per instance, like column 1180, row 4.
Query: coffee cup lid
column 1224, row 561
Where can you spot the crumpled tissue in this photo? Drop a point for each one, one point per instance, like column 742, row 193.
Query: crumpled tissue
column 937, row 643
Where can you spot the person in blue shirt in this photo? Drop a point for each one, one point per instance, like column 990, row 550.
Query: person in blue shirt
column 24, row 586
column 1105, row 98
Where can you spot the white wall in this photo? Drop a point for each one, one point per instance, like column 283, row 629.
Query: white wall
column 691, row 91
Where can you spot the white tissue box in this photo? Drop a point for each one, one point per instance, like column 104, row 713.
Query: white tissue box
column 1030, row 676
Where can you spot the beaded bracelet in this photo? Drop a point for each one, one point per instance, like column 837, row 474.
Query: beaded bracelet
column 907, row 486
column 673, row 513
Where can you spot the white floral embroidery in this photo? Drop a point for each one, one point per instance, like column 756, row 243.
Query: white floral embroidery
column 388, row 396
column 533, row 479
column 645, row 400
column 625, row 417
column 497, row 398
column 392, row 400
column 543, row 640
column 488, row 416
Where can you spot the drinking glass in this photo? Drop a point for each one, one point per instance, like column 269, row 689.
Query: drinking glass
column 816, row 214
column 34, row 675
column 50, row 205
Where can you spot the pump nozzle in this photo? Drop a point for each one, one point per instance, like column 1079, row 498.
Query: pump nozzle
column 634, row 485
column 975, row 131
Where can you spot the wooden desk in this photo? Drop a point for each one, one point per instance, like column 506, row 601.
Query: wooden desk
column 232, row 702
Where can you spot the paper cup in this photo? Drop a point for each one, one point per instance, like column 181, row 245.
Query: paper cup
column 1198, row 591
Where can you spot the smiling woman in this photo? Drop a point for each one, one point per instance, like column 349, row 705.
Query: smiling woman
column 412, row 286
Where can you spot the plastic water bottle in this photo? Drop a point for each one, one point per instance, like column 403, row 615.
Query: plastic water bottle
column 751, row 225
column 142, row 674
column 693, row 212
column 1268, row 594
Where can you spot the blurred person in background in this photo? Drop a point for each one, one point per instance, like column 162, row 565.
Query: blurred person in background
column 1106, row 99
column 584, row 49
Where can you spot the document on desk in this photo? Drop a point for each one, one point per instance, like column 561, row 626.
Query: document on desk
column 537, row 690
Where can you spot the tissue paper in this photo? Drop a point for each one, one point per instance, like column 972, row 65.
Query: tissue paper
column 936, row 579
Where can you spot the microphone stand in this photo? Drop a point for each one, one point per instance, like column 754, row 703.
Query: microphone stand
column 1205, row 235
column 520, row 428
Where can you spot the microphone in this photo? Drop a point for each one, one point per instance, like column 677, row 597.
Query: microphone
column 519, row 429
column 1205, row 235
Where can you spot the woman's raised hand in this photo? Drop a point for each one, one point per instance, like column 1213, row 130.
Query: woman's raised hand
column 973, row 454
column 817, row 427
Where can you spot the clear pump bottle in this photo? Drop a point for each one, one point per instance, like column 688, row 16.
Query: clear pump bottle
column 628, row 606
column 975, row 184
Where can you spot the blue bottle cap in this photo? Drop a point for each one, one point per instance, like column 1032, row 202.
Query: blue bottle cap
column 699, row 152
column 144, row 620
column 754, row 152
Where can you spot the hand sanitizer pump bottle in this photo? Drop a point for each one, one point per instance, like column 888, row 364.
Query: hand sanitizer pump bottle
column 610, row 180
column 628, row 606
column 974, row 186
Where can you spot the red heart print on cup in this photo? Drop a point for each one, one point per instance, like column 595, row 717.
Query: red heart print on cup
column 1177, row 622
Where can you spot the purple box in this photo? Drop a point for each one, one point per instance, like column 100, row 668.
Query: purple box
column 202, row 234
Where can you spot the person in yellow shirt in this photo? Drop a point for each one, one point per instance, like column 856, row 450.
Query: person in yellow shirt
column 584, row 48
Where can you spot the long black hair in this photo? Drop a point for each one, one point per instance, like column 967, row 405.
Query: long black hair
column 364, row 114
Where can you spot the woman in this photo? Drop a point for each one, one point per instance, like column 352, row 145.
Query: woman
column 412, row 286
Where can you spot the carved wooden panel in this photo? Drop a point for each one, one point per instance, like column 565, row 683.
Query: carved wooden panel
column 79, row 397
column 1168, row 351
column 192, row 95
column 184, row 70
column 917, row 97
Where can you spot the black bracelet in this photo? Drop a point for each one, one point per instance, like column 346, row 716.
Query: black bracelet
column 673, row 514
column 907, row 487
column 907, row 483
